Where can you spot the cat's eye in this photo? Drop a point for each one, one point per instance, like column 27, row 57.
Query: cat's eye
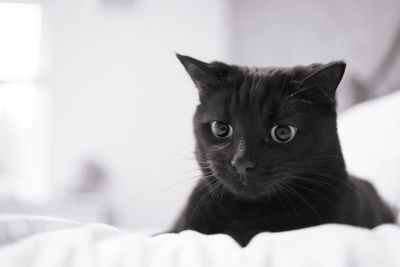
column 221, row 130
column 283, row 133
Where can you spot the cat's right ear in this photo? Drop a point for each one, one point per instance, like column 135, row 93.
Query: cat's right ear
column 200, row 73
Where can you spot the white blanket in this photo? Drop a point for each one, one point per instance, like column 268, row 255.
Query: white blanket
column 37, row 242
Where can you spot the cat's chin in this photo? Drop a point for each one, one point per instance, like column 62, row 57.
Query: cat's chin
column 251, row 190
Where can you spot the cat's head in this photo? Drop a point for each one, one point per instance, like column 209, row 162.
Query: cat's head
column 258, row 127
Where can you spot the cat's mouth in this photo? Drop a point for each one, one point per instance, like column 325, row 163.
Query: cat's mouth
column 250, row 186
column 250, row 189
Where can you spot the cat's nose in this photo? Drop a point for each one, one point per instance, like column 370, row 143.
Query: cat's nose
column 242, row 166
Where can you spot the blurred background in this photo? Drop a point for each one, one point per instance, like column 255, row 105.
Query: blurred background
column 95, row 110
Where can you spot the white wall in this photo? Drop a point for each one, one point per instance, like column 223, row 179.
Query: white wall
column 287, row 32
column 119, row 96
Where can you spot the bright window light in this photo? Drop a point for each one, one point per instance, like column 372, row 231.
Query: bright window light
column 23, row 169
column 20, row 26
column 18, row 103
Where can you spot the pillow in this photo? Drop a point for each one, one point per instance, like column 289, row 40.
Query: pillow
column 370, row 139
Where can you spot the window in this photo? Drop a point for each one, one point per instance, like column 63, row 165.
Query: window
column 22, row 108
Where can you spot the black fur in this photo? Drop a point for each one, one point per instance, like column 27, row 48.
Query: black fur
column 292, row 185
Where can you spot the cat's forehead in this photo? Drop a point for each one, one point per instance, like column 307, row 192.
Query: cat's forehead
column 267, row 85
column 253, row 93
column 260, row 80
column 272, row 74
column 259, row 89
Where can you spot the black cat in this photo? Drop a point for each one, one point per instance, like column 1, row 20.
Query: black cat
column 267, row 145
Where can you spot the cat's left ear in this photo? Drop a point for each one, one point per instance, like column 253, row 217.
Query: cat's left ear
column 201, row 74
column 320, row 86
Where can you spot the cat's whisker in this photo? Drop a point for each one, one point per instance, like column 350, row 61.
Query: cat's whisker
column 187, row 181
column 329, row 183
column 199, row 176
column 169, row 142
column 202, row 199
column 279, row 186
column 288, row 198
column 213, row 192
column 291, row 190
column 170, row 153
column 174, row 173
column 317, row 193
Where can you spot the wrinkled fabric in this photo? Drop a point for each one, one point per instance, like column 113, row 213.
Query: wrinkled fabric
column 98, row 245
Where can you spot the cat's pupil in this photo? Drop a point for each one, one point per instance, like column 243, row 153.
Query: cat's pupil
column 220, row 129
column 283, row 133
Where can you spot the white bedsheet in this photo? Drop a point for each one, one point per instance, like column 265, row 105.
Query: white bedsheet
column 72, row 244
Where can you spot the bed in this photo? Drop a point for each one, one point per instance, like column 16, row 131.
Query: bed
column 370, row 144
